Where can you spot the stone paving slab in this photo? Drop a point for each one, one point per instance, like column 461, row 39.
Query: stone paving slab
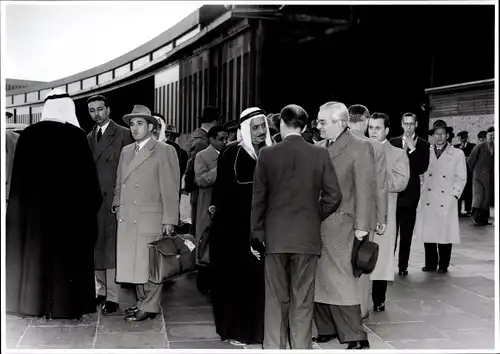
column 423, row 311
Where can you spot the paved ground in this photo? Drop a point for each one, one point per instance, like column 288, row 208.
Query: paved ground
column 424, row 311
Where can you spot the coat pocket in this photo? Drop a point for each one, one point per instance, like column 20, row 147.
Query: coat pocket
column 150, row 217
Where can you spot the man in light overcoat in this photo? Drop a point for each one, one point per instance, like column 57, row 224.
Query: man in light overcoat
column 106, row 141
column 437, row 212
column 337, row 309
column 358, row 123
column 398, row 175
column 146, row 202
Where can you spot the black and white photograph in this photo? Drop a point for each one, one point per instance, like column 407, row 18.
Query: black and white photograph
column 249, row 176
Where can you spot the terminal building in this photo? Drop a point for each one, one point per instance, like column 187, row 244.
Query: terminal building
column 393, row 59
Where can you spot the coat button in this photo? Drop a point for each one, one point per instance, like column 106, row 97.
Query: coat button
column 121, row 220
column 135, row 202
column 135, row 221
column 444, row 176
column 430, row 174
column 442, row 191
column 136, row 185
column 429, row 189
column 428, row 203
column 441, row 206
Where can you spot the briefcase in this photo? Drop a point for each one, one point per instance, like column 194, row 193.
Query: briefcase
column 364, row 256
column 170, row 257
column 203, row 248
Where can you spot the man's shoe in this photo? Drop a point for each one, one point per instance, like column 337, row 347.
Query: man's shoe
column 100, row 299
column 110, row 307
column 140, row 316
column 379, row 308
column 324, row 338
column 428, row 269
column 132, row 309
column 403, row 272
column 360, row 344
column 443, row 270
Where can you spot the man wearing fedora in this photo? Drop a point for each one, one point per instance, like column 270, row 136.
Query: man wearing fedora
column 146, row 203
column 106, row 141
column 437, row 215
column 231, row 128
column 466, row 197
column 417, row 150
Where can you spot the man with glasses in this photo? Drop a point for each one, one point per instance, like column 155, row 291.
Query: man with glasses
column 418, row 153
column 337, row 309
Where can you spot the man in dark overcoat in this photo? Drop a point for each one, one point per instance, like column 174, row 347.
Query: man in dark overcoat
column 51, row 223
column 482, row 164
column 106, row 141
column 289, row 179
column 418, row 153
column 466, row 197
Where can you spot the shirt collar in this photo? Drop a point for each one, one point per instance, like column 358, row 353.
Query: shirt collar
column 103, row 128
column 141, row 144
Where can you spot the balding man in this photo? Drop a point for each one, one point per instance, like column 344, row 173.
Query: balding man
column 337, row 311
column 358, row 124
column 289, row 180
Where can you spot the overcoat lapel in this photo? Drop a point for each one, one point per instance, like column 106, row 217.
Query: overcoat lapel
column 106, row 140
column 340, row 143
column 142, row 156
column 436, row 164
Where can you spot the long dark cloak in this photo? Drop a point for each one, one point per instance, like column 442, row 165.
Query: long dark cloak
column 51, row 224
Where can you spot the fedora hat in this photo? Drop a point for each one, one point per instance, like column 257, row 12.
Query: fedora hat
column 232, row 125
column 171, row 129
column 463, row 134
column 140, row 111
column 209, row 114
column 440, row 124
column 364, row 256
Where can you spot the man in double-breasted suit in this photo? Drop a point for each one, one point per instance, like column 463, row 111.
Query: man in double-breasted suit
column 337, row 310
column 358, row 123
column 417, row 150
column 106, row 141
column 289, row 180
column 147, row 205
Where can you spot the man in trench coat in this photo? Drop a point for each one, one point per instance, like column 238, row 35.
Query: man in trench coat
column 147, row 205
column 437, row 212
column 106, row 141
column 337, row 310
column 358, row 123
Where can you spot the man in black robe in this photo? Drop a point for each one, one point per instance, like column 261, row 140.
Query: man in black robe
column 51, row 224
column 238, row 277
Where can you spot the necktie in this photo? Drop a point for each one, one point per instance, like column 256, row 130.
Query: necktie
column 99, row 135
column 137, row 148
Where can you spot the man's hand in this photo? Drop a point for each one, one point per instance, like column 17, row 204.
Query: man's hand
column 255, row 253
column 381, row 228
column 409, row 142
column 167, row 230
column 360, row 234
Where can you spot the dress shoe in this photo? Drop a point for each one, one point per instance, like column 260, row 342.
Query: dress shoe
column 132, row 309
column 403, row 272
column 359, row 344
column 100, row 299
column 110, row 307
column 379, row 308
column 324, row 338
column 140, row 316
column 443, row 270
column 428, row 269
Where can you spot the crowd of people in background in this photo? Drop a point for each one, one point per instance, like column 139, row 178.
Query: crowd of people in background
column 286, row 199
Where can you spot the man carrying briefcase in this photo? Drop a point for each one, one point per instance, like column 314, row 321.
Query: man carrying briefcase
column 146, row 203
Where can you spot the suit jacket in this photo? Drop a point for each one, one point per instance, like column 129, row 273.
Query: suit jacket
column 199, row 141
column 289, row 179
column 10, row 146
column 419, row 161
column 106, row 155
column 468, row 148
column 205, row 174
column 482, row 164
column 147, row 191
column 381, row 194
column 181, row 154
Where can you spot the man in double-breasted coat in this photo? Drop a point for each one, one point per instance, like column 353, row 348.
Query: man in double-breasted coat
column 437, row 212
column 337, row 310
column 482, row 164
column 147, row 205
column 106, row 141
column 358, row 123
